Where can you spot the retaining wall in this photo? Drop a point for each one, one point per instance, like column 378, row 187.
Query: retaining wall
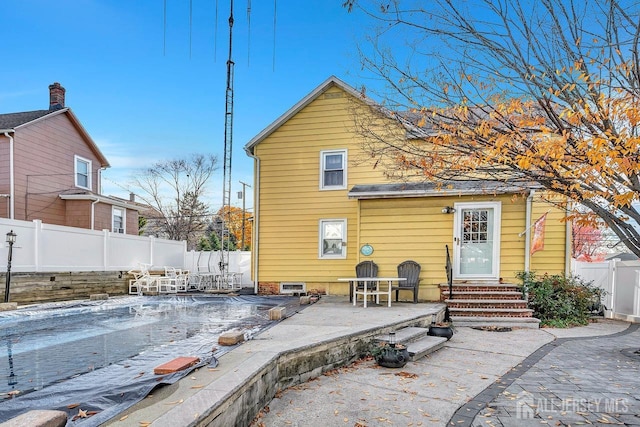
column 31, row 288
column 263, row 378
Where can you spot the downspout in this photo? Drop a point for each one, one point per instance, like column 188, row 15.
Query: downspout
column 11, row 178
column 99, row 183
column 256, row 219
column 93, row 213
column 527, row 242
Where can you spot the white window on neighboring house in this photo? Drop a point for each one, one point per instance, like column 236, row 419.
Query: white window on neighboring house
column 83, row 172
column 118, row 215
column 333, row 170
column 333, row 238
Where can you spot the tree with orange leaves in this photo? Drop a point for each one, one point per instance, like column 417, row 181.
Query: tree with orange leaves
column 232, row 218
column 544, row 91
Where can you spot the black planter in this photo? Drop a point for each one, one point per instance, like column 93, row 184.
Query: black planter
column 440, row 331
column 393, row 357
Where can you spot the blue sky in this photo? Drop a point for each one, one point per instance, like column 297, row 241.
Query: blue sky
column 146, row 91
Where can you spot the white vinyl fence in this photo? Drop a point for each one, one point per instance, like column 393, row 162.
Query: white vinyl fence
column 620, row 280
column 209, row 262
column 51, row 248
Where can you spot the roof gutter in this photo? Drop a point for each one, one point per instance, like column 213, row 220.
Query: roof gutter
column 429, row 193
column 106, row 200
column 11, row 175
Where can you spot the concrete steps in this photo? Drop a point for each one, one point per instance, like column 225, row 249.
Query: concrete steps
column 418, row 343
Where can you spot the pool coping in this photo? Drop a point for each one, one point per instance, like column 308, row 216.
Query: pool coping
column 249, row 376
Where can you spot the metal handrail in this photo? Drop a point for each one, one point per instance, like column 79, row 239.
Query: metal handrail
column 449, row 268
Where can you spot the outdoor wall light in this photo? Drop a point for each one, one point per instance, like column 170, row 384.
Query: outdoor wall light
column 11, row 239
column 448, row 210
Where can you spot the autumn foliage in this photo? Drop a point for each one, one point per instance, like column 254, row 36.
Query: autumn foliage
column 541, row 92
column 232, row 219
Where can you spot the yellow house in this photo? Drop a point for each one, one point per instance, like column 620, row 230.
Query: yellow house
column 322, row 206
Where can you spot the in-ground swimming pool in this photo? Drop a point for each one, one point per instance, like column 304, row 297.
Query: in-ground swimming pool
column 100, row 355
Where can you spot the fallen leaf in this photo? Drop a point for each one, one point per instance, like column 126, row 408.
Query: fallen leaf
column 197, row 386
column 73, row 405
column 123, row 418
column 405, row 374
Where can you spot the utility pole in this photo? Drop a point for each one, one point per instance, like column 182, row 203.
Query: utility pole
column 244, row 215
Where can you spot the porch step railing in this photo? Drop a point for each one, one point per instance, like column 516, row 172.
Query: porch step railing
column 449, row 268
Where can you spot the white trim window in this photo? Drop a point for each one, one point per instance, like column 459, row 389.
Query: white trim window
column 82, row 172
column 332, row 239
column 118, row 220
column 333, row 170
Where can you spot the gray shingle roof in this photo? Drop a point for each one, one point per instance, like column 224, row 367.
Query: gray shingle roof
column 12, row 120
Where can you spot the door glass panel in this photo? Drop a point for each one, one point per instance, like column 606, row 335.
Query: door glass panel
column 476, row 244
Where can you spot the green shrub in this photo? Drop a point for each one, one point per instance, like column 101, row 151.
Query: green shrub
column 560, row 301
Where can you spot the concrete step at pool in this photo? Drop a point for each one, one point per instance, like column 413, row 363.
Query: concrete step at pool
column 418, row 343
column 405, row 335
column 424, row 346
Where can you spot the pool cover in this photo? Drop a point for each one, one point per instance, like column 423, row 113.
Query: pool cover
column 96, row 359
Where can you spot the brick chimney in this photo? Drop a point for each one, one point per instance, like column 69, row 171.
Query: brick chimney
column 56, row 96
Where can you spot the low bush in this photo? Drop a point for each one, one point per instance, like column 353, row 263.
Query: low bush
column 560, row 301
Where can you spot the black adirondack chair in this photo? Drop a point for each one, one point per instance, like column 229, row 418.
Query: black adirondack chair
column 410, row 270
column 365, row 269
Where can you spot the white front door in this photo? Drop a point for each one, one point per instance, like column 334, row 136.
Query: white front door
column 476, row 240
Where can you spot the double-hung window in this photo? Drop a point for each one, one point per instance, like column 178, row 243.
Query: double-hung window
column 118, row 219
column 333, row 170
column 82, row 172
column 333, row 238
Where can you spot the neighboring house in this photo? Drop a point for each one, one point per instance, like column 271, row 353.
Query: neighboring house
column 153, row 218
column 50, row 170
column 321, row 206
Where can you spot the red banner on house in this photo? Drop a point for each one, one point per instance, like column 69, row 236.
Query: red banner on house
column 537, row 239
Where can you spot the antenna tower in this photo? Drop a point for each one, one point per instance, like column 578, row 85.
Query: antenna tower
column 228, row 144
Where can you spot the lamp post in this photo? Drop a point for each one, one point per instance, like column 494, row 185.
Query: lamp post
column 11, row 239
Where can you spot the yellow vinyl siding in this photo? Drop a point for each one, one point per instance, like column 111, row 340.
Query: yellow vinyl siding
column 551, row 258
column 291, row 205
column 416, row 228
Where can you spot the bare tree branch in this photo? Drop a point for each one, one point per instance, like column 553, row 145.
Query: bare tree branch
column 175, row 188
column 545, row 91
